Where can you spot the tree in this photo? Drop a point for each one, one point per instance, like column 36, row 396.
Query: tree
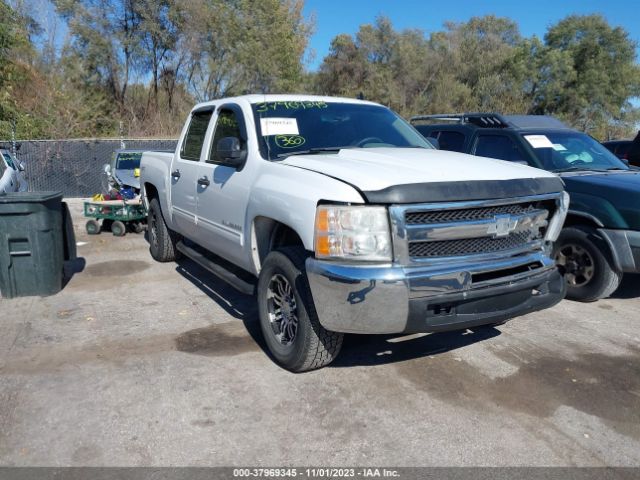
column 106, row 39
column 465, row 67
column 244, row 45
column 16, row 52
column 601, row 74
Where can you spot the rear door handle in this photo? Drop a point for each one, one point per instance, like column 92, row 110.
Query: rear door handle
column 176, row 174
column 204, row 181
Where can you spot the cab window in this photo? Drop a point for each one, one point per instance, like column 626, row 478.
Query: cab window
column 227, row 125
column 194, row 139
column 498, row 146
column 452, row 141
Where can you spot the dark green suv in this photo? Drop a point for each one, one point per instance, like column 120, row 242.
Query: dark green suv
column 601, row 237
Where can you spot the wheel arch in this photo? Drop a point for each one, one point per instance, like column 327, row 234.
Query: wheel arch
column 597, row 235
column 268, row 234
column 577, row 218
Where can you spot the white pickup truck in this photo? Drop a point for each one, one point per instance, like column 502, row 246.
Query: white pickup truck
column 341, row 218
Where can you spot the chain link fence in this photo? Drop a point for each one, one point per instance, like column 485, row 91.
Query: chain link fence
column 74, row 167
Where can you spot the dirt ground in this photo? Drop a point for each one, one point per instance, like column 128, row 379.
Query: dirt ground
column 137, row 363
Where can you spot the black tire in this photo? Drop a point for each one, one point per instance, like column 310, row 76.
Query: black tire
column 137, row 227
column 312, row 346
column 93, row 227
column 118, row 228
column 162, row 241
column 586, row 264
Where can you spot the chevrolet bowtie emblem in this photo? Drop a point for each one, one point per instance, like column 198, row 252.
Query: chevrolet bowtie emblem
column 503, row 226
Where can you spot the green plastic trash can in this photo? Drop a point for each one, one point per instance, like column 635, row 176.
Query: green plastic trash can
column 31, row 244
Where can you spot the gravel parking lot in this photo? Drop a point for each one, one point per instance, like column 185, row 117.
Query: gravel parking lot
column 137, row 363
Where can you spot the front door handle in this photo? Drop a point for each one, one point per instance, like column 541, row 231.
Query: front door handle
column 175, row 174
column 204, row 181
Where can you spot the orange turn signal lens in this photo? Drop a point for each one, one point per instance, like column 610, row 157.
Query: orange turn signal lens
column 322, row 245
column 322, row 221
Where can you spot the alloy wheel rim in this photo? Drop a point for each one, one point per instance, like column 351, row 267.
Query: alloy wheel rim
column 578, row 264
column 282, row 310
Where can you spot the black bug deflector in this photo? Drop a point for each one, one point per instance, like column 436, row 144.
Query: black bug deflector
column 464, row 191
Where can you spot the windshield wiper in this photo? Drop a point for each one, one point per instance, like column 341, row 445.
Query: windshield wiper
column 577, row 169
column 312, row 151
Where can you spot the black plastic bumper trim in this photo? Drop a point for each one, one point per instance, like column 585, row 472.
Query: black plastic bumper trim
column 485, row 306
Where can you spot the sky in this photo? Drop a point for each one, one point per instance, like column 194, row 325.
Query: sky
column 333, row 17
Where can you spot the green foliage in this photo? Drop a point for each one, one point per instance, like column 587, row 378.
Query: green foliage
column 601, row 74
column 12, row 41
column 585, row 71
column 258, row 46
column 137, row 66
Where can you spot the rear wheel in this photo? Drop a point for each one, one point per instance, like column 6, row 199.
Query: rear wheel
column 288, row 316
column 118, row 228
column 162, row 241
column 93, row 227
column 588, row 270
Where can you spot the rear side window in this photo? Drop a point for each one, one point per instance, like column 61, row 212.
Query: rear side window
column 500, row 147
column 226, row 126
column 194, row 139
column 453, row 141
column 425, row 130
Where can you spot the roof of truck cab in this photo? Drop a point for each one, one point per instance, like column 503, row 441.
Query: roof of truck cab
column 260, row 98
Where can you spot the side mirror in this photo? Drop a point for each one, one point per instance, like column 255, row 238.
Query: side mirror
column 106, row 168
column 229, row 151
column 625, row 161
column 21, row 166
column 434, row 141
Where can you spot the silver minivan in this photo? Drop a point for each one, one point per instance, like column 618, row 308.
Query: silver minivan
column 11, row 173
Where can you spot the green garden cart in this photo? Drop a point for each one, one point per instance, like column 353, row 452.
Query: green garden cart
column 116, row 215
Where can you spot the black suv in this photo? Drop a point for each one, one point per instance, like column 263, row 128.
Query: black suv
column 601, row 237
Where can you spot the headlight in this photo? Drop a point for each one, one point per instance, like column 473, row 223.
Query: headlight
column 556, row 223
column 355, row 233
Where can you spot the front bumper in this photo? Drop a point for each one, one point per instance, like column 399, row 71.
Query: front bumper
column 438, row 297
column 625, row 248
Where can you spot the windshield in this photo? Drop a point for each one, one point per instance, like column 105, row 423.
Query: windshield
column 289, row 128
column 128, row 160
column 567, row 150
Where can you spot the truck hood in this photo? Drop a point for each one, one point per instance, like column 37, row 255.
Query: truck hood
column 403, row 175
column 621, row 182
column 126, row 178
column 608, row 196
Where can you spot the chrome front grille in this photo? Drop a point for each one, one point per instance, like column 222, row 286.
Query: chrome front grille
column 452, row 230
column 462, row 215
column 469, row 246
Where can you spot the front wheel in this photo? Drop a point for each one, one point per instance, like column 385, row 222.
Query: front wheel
column 162, row 241
column 288, row 316
column 588, row 271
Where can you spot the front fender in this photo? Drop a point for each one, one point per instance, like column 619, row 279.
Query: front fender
column 600, row 208
column 290, row 195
